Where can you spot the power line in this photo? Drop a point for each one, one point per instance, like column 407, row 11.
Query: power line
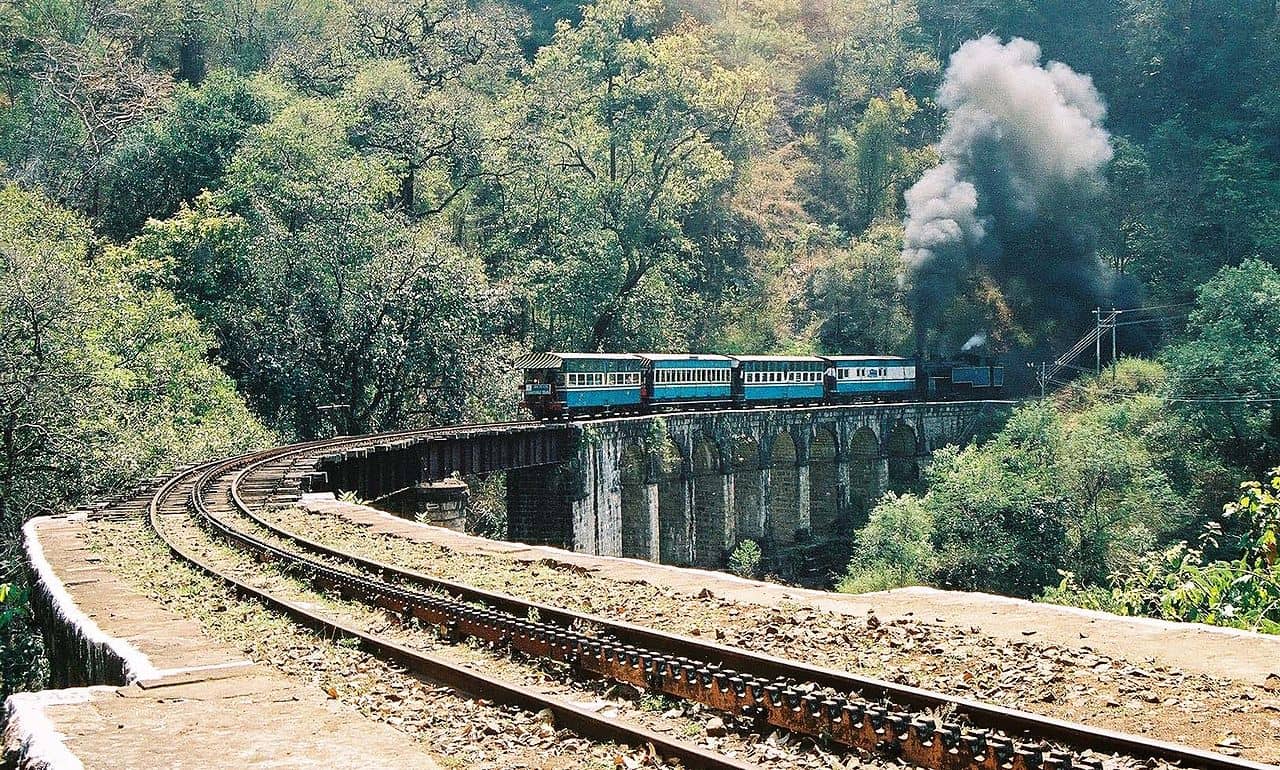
column 1148, row 308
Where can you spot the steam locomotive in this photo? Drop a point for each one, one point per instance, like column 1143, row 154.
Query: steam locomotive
column 575, row 384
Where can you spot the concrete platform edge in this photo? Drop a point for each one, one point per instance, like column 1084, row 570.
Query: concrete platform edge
column 30, row 739
column 132, row 662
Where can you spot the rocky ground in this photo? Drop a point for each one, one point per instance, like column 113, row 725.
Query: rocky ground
column 1073, row 682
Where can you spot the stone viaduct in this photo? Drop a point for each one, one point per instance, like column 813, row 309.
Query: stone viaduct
column 684, row 488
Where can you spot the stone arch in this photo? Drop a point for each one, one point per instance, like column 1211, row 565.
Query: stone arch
column 708, row 504
column 825, row 509
column 748, row 488
column 673, row 504
column 786, row 509
column 639, row 516
column 904, row 465
column 866, row 477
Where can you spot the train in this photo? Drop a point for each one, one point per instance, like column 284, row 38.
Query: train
column 566, row 385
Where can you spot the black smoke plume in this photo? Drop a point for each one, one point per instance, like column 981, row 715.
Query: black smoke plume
column 1021, row 172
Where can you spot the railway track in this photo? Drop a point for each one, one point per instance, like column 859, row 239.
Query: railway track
column 194, row 494
column 836, row 707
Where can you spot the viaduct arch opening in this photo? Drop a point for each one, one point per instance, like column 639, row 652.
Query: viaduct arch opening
column 904, row 467
column 709, row 493
column 748, row 489
column 639, row 511
column 674, row 528
column 787, row 509
column 826, row 509
column 865, row 474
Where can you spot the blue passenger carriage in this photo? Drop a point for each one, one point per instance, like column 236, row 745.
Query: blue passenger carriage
column 775, row 379
column 559, row 384
column 687, row 378
column 854, row 378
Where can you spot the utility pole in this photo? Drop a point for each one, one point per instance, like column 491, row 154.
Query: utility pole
column 1115, row 317
column 1039, row 375
column 1097, row 340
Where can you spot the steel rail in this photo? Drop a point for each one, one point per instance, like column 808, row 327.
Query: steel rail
column 437, row 669
column 634, row 642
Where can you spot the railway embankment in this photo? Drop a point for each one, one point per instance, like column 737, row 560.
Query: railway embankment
column 150, row 688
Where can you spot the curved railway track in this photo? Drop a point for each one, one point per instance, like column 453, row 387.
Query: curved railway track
column 194, row 492
column 228, row 497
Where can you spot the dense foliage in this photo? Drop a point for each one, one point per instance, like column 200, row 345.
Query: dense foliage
column 102, row 380
column 1239, row 588
column 1107, row 482
column 388, row 184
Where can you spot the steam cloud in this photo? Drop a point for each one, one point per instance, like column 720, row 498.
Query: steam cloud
column 1022, row 157
column 977, row 340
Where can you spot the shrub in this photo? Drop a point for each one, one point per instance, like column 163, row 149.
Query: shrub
column 1180, row 583
column 893, row 549
column 745, row 559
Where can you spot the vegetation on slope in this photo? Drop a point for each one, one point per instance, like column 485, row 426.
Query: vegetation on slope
column 1095, row 494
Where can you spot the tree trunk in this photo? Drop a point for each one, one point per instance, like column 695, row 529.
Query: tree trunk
column 407, row 190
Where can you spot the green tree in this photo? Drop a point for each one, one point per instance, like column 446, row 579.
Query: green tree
column 628, row 136
column 859, row 298
column 102, row 383
column 333, row 312
column 1224, row 377
column 168, row 161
